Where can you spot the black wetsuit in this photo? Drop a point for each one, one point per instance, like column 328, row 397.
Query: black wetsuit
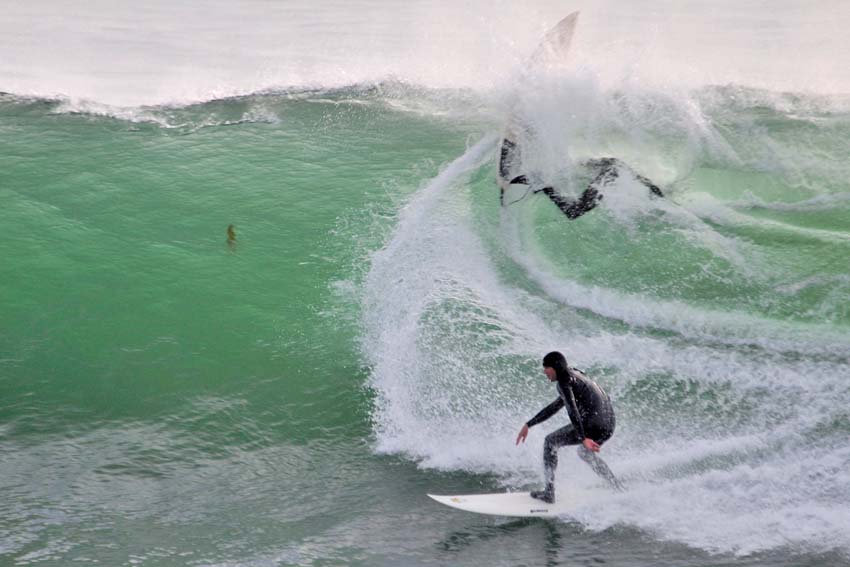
column 592, row 417
column 608, row 170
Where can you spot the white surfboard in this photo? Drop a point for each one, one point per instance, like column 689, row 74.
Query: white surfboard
column 555, row 46
column 552, row 51
column 514, row 504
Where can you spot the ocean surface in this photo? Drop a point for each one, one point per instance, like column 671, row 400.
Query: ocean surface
column 374, row 333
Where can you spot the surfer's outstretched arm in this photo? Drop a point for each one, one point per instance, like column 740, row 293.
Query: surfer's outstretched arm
column 541, row 416
column 546, row 412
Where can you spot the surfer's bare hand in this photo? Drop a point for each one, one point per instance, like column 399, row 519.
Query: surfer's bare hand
column 523, row 433
column 591, row 445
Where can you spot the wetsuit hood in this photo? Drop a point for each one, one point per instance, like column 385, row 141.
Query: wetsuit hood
column 558, row 362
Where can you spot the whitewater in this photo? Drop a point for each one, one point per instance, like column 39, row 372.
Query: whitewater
column 375, row 331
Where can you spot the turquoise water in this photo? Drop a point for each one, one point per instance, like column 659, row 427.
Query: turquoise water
column 374, row 333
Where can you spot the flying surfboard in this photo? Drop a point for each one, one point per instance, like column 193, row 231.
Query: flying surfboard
column 556, row 43
column 513, row 504
column 552, row 51
column 512, row 176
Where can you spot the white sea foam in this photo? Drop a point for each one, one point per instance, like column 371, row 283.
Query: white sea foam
column 818, row 203
column 723, row 446
column 707, row 206
column 168, row 118
column 111, row 53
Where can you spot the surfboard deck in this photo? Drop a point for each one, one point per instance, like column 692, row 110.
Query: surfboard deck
column 513, row 504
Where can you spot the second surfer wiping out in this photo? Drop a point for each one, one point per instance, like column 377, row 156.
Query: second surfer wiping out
column 607, row 170
column 553, row 52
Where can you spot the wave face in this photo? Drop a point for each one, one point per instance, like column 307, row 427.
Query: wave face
column 716, row 317
column 375, row 333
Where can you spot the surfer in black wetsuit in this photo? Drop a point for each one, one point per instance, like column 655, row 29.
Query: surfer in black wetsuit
column 608, row 170
column 592, row 417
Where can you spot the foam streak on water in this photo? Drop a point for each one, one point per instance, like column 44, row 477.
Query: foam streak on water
column 732, row 427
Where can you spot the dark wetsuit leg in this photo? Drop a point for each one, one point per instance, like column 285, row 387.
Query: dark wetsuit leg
column 591, row 196
column 566, row 435
column 574, row 209
column 599, row 466
column 595, row 461
column 569, row 436
column 508, row 159
column 609, row 171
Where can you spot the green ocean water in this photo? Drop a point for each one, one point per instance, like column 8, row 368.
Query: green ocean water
column 117, row 233
column 167, row 398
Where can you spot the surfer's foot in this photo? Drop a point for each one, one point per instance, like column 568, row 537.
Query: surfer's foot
column 547, row 495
